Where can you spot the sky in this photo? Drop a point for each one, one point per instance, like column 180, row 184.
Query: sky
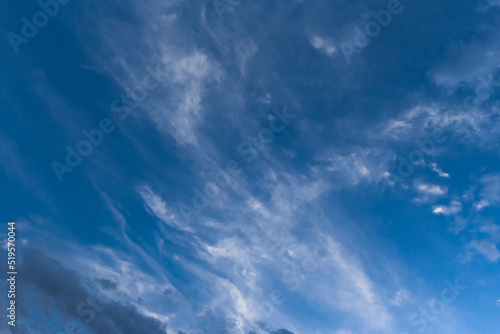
column 251, row 167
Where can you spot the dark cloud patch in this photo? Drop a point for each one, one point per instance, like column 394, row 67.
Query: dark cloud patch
column 106, row 284
column 66, row 293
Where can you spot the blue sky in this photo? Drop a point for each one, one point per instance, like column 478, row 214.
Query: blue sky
column 252, row 166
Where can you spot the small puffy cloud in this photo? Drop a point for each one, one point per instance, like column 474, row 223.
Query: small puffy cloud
column 453, row 208
column 428, row 192
column 481, row 204
column 430, row 189
column 324, row 45
column 317, row 42
column 438, row 170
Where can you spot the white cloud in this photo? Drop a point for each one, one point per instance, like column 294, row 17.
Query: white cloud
column 453, row 208
column 323, row 44
column 358, row 165
column 476, row 128
column 177, row 106
column 354, row 291
column 481, row 204
column 438, row 170
column 158, row 208
column 430, row 189
column 155, row 203
column 182, row 112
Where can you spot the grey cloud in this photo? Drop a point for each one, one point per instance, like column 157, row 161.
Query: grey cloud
column 66, row 291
